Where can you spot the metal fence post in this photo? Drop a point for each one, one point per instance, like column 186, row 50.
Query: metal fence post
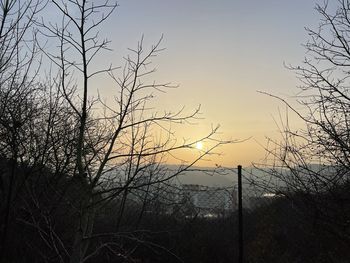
column 240, row 216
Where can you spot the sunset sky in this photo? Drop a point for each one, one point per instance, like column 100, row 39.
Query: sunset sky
column 220, row 53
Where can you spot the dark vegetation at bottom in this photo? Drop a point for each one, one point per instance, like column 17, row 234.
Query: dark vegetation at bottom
column 298, row 228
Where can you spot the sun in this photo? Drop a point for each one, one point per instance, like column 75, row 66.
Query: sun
column 199, row 145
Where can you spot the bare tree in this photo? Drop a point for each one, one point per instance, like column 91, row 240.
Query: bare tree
column 71, row 155
column 311, row 165
column 105, row 151
column 18, row 92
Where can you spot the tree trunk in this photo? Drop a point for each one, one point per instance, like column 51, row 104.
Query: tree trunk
column 83, row 229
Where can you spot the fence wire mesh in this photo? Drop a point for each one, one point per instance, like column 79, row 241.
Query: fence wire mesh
column 183, row 198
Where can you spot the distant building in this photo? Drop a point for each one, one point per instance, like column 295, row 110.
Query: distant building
column 209, row 201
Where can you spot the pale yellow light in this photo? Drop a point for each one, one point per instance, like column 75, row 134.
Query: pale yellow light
column 199, row 145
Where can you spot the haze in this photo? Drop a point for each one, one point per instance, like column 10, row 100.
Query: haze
column 220, row 53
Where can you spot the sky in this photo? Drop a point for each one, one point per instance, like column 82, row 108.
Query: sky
column 220, row 53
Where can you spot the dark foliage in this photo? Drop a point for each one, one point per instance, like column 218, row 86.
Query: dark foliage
column 283, row 230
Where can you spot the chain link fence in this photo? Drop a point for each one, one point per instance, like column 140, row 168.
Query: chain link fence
column 201, row 195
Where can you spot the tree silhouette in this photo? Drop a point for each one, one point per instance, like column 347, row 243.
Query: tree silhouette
column 72, row 154
column 310, row 166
